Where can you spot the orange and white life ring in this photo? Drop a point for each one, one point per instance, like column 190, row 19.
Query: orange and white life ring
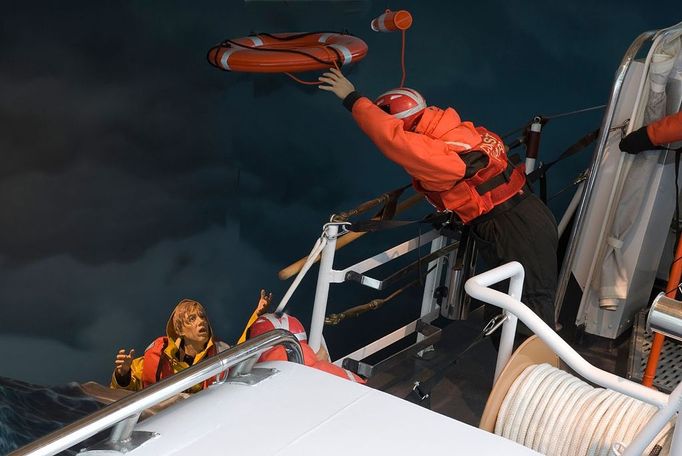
column 287, row 52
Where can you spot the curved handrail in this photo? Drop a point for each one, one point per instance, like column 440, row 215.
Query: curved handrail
column 668, row 405
column 478, row 288
column 133, row 405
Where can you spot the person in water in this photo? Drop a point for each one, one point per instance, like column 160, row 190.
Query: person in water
column 464, row 169
column 189, row 339
column 654, row 136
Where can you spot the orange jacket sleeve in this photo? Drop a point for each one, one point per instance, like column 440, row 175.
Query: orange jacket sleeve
column 426, row 159
column 666, row 130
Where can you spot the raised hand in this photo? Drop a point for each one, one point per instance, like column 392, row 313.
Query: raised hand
column 336, row 82
column 123, row 361
column 264, row 302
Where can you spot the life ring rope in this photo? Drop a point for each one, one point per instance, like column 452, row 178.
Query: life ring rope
column 402, row 61
column 300, row 81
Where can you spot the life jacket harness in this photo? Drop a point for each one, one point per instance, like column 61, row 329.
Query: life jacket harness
column 158, row 366
column 492, row 184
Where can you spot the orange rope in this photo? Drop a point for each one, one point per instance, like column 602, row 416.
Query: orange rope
column 333, row 61
column 302, row 81
column 402, row 60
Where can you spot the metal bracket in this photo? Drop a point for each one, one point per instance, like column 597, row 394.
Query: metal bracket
column 431, row 336
column 352, row 276
column 257, row 375
column 135, row 439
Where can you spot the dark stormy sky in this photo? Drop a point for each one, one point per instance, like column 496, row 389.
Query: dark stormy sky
column 134, row 174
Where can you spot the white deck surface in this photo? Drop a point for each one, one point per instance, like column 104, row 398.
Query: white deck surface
column 302, row 411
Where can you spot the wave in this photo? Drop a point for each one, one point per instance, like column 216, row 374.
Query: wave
column 28, row 411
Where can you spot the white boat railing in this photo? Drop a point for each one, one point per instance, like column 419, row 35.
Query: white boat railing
column 669, row 405
column 325, row 246
column 123, row 414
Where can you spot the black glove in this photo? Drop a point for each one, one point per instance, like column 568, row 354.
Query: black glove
column 636, row 142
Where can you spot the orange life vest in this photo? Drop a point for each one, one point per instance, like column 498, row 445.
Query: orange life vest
column 158, row 366
column 457, row 166
column 479, row 193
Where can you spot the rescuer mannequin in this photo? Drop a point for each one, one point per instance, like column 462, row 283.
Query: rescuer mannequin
column 464, row 169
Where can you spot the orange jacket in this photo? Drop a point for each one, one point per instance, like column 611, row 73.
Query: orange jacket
column 162, row 359
column 666, row 130
column 439, row 155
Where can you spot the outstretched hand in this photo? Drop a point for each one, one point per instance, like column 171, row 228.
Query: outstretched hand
column 336, row 82
column 123, row 361
column 264, row 302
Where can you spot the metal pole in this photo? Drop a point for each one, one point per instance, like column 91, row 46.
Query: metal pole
column 431, row 282
column 533, row 144
column 570, row 210
column 509, row 326
column 322, row 289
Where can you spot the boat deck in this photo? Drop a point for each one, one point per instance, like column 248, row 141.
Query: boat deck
column 464, row 388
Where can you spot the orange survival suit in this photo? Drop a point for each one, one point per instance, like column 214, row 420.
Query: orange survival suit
column 666, row 130
column 653, row 136
column 464, row 168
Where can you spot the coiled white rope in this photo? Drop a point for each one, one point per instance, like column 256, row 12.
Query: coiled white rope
column 557, row 414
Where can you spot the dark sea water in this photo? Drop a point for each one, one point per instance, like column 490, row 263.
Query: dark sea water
column 28, row 411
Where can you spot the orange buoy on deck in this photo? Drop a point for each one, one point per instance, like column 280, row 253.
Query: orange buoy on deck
column 287, row 52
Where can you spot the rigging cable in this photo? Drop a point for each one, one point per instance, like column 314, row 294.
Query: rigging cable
column 552, row 116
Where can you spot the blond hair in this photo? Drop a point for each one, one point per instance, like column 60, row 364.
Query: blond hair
column 181, row 311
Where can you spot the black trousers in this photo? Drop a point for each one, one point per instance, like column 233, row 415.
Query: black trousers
column 527, row 233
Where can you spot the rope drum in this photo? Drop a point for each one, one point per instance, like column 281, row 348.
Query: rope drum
column 557, row 414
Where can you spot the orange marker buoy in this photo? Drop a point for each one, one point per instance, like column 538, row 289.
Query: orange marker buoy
column 392, row 21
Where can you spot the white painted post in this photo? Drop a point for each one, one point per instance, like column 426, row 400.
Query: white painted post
column 322, row 289
column 509, row 326
column 432, row 280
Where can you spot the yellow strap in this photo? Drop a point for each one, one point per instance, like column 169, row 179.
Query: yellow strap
column 252, row 319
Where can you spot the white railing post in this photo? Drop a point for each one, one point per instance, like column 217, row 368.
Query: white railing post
column 509, row 327
column 432, row 280
column 322, row 289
